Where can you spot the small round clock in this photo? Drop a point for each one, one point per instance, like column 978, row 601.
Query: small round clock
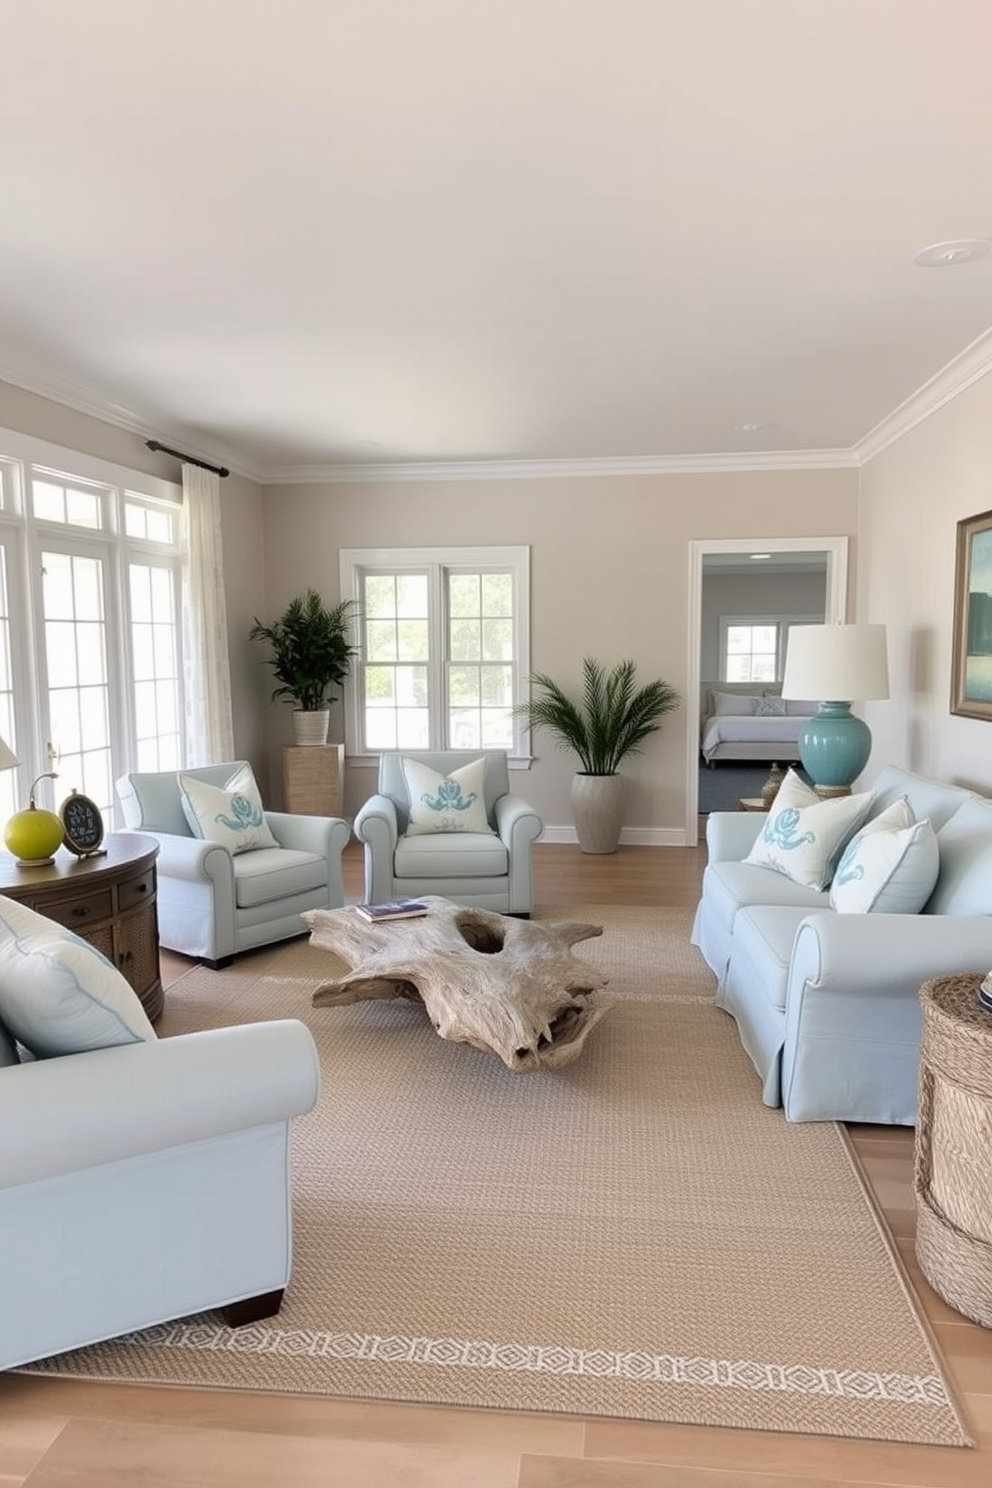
column 82, row 825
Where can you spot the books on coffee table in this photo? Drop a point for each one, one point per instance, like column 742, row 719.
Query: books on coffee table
column 393, row 909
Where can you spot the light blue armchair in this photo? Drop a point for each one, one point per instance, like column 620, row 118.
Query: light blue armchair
column 212, row 904
column 487, row 870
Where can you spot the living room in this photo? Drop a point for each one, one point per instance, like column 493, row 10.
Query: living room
column 609, row 518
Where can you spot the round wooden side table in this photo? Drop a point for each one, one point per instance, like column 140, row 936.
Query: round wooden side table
column 953, row 1155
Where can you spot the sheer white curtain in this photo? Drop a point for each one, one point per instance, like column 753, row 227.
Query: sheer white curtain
column 209, row 725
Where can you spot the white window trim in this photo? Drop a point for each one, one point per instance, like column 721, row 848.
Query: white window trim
column 353, row 560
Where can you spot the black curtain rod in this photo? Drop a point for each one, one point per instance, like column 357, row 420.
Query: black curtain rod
column 164, row 449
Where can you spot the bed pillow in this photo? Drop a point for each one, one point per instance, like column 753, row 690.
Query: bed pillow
column 446, row 803
column 803, row 836
column 889, row 867
column 60, row 995
column 801, row 708
column 769, row 707
column 231, row 815
column 732, row 704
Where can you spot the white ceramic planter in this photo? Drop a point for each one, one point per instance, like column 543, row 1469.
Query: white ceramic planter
column 311, row 728
column 597, row 809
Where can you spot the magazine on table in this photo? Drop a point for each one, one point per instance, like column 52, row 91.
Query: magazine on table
column 392, row 909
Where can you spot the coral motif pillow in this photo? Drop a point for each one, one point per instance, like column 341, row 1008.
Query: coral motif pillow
column 889, row 867
column 231, row 815
column 446, row 803
column 803, row 836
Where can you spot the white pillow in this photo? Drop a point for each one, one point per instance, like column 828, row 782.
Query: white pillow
column 446, row 803
column 801, row 708
column 770, row 707
column 60, row 995
column 803, row 836
column 732, row 704
column 231, row 815
column 889, row 867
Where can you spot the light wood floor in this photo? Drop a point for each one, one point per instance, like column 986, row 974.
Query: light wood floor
column 59, row 1434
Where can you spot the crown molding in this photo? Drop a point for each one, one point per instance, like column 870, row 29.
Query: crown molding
column 81, row 400
column 441, row 470
column 969, row 366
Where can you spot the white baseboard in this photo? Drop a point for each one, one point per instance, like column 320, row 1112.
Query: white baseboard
column 629, row 837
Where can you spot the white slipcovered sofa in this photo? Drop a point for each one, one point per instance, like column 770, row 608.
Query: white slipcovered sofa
column 141, row 1179
column 827, row 1003
column 213, row 904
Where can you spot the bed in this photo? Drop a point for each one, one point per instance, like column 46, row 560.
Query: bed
column 750, row 721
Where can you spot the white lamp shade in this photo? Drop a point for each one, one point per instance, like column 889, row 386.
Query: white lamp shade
column 842, row 663
column 8, row 759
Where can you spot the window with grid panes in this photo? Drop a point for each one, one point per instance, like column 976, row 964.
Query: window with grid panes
column 443, row 648
column 90, row 638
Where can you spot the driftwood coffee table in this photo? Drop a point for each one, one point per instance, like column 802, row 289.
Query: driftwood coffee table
column 509, row 987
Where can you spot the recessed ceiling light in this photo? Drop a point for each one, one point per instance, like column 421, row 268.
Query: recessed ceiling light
column 757, row 557
column 947, row 255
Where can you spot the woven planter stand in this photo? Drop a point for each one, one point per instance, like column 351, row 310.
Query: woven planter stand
column 953, row 1162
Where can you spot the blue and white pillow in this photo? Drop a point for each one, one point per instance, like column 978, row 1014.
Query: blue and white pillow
column 889, row 867
column 58, row 993
column 231, row 815
column 803, row 836
column 446, row 803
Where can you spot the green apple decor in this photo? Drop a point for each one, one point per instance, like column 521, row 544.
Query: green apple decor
column 35, row 834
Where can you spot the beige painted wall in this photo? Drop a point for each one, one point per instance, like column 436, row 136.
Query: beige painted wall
column 241, row 519
column 913, row 495
column 609, row 577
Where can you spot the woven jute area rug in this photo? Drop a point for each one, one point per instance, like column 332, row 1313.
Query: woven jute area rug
column 633, row 1236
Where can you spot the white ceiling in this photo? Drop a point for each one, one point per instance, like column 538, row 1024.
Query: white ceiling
column 304, row 233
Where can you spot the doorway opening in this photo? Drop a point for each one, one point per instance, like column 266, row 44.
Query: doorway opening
column 731, row 554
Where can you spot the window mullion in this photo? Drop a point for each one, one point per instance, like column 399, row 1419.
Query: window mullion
column 438, row 658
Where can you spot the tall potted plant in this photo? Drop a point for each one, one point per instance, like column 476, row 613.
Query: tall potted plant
column 611, row 720
column 311, row 655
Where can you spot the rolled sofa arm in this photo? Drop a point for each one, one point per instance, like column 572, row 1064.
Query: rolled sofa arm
column 885, row 954
column 730, row 835
column 377, row 826
column 327, row 836
column 86, row 1110
column 517, row 823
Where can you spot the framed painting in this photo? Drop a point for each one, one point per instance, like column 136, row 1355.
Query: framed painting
column 971, row 666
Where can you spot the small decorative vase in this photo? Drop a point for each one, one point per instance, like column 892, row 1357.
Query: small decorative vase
column 770, row 788
column 597, row 807
column 311, row 728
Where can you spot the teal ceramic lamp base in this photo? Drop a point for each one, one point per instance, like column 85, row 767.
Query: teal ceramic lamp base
column 834, row 748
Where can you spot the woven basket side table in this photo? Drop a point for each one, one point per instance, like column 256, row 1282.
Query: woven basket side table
column 312, row 778
column 953, row 1156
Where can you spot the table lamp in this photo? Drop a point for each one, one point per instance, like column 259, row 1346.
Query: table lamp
column 837, row 665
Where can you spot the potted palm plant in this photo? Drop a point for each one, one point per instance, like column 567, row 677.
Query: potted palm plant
column 611, row 720
column 311, row 655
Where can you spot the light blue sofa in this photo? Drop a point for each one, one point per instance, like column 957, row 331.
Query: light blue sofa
column 214, row 906
column 827, row 1004
column 487, row 870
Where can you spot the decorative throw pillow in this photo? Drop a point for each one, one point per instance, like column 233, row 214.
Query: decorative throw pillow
column 889, row 867
column 60, row 995
column 803, row 836
column 446, row 803
column 770, row 707
column 231, row 815
column 732, row 704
